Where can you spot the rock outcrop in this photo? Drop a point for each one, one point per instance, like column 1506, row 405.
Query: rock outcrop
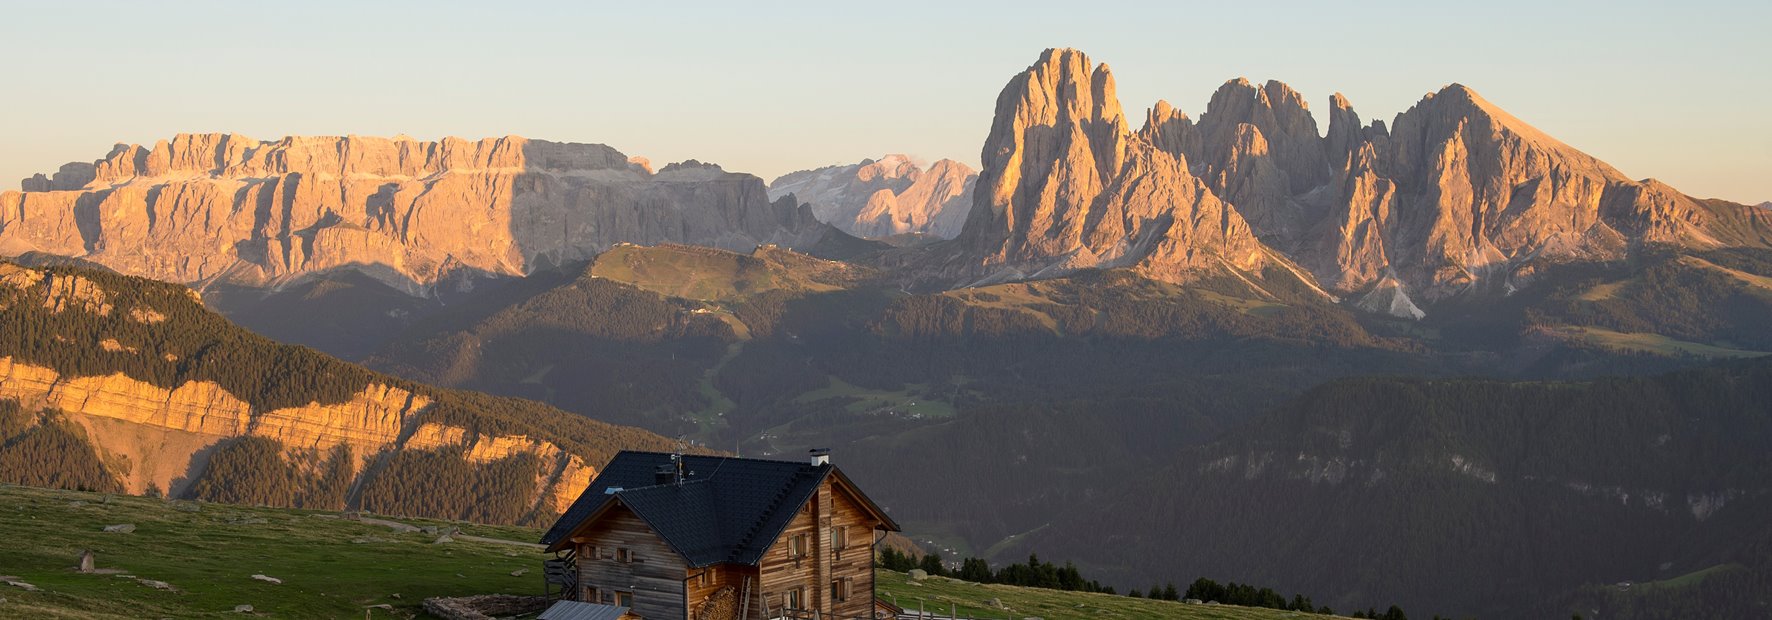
column 211, row 207
column 1066, row 185
column 165, row 435
column 893, row 195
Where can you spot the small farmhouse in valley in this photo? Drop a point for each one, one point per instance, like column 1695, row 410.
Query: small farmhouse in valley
column 715, row 538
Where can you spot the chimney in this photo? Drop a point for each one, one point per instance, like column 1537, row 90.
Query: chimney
column 820, row 456
column 665, row 474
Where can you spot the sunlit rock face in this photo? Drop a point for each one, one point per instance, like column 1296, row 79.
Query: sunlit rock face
column 210, row 207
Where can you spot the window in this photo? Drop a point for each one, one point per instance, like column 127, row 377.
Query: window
column 591, row 595
column 624, row 555
column 840, row 537
column 624, row 599
column 797, row 546
column 593, row 552
column 792, row 599
column 707, row 578
column 842, row 589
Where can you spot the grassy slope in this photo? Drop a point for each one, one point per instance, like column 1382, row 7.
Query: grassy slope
column 211, row 555
column 940, row 595
column 707, row 274
column 1651, row 343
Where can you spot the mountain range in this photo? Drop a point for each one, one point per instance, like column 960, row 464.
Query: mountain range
column 1108, row 338
column 209, row 208
column 1455, row 196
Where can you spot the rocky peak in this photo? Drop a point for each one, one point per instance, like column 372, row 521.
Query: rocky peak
column 1291, row 159
column 1344, row 135
column 894, row 166
column 73, row 175
column 1057, row 137
column 1281, row 116
column 1170, row 130
column 885, row 197
column 1459, row 109
column 1066, row 186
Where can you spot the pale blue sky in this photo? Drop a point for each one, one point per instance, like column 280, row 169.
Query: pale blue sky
column 1676, row 92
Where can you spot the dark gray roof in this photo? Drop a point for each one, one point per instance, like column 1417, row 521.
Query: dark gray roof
column 727, row 509
column 574, row 610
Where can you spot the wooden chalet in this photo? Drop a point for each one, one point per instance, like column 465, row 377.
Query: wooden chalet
column 717, row 538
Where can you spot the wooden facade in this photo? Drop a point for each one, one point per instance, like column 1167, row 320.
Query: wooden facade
column 807, row 561
column 822, row 561
column 621, row 561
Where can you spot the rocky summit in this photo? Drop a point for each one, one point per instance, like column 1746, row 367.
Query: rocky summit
column 893, row 195
column 203, row 208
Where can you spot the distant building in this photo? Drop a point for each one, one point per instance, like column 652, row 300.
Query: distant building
column 713, row 538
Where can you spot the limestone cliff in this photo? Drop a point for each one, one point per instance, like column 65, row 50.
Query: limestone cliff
column 208, row 207
column 893, row 195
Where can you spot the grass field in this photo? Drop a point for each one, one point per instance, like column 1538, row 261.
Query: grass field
column 904, row 401
column 1758, row 283
column 714, row 275
column 1602, row 292
column 1017, row 297
column 330, row 567
column 938, row 594
column 1652, row 343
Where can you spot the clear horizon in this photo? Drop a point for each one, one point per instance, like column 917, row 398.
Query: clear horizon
column 1676, row 95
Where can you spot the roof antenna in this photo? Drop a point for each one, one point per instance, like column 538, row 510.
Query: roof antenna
column 677, row 461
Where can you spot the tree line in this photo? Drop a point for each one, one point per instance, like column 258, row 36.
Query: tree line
column 1036, row 573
